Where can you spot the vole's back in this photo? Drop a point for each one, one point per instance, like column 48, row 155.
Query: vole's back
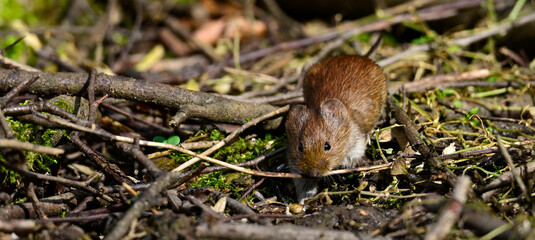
column 356, row 81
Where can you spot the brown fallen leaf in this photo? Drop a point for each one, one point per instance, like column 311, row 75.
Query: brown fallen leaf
column 210, row 32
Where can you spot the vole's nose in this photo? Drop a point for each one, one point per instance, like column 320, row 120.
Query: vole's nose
column 313, row 173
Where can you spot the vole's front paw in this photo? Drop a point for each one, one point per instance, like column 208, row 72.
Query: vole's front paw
column 305, row 188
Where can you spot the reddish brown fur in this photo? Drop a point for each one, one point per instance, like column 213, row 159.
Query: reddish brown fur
column 354, row 80
column 344, row 96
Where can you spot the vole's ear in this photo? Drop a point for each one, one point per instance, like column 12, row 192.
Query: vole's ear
column 297, row 116
column 333, row 112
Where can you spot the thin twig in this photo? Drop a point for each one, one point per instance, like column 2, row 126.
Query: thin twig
column 512, row 168
column 108, row 167
column 95, row 130
column 136, row 117
column 230, row 137
column 10, row 62
column 136, row 153
column 16, row 144
column 437, row 80
column 16, row 90
column 67, row 182
column 431, row 13
column 462, row 42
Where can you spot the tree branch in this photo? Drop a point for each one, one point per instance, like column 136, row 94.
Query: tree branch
column 188, row 103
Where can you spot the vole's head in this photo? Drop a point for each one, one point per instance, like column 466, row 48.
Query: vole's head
column 317, row 139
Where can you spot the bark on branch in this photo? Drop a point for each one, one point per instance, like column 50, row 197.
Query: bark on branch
column 188, row 103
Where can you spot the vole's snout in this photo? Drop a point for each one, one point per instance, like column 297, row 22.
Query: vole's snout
column 313, row 173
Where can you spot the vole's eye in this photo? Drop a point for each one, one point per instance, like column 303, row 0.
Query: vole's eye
column 327, row 146
column 300, row 147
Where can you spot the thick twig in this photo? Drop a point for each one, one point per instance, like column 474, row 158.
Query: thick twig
column 8, row 61
column 190, row 103
column 144, row 202
column 93, row 106
column 475, row 152
column 43, row 106
column 24, row 210
column 416, row 142
column 506, row 179
column 211, row 214
column 280, row 232
column 22, row 226
column 35, row 201
column 16, row 90
column 240, row 208
column 5, row 131
column 464, row 113
column 451, row 211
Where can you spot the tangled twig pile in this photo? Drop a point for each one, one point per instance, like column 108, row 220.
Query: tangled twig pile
column 454, row 148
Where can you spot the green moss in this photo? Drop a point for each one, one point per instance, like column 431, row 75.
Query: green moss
column 64, row 104
column 241, row 150
column 28, row 132
column 40, row 12
column 8, row 176
column 216, row 135
column 394, row 203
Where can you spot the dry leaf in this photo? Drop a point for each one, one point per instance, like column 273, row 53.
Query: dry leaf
column 210, row 32
column 399, row 167
column 245, row 28
column 385, row 136
column 402, row 141
column 220, row 205
column 30, row 39
column 221, row 85
column 296, row 208
column 400, row 137
column 362, row 185
column 326, row 200
column 155, row 55
column 449, row 150
column 191, row 85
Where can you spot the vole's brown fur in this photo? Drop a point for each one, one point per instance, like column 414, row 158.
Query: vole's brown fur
column 344, row 97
